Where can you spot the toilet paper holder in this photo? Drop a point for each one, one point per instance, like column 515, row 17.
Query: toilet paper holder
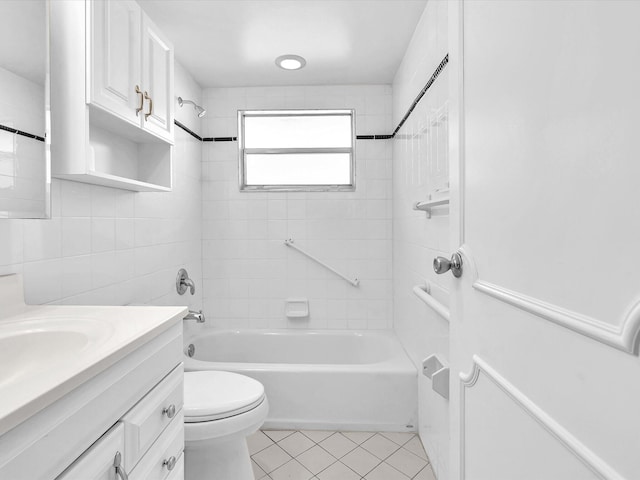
column 437, row 370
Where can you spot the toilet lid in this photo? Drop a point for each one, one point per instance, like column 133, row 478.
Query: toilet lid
column 212, row 395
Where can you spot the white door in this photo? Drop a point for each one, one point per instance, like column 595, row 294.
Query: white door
column 545, row 128
column 157, row 77
column 114, row 82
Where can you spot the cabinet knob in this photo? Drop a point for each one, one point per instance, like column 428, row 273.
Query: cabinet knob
column 169, row 411
column 117, row 463
column 170, row 463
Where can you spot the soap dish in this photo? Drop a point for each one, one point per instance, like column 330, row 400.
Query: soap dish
column 296, row 308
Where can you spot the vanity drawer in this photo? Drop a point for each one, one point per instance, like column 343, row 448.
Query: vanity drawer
column 165, row 456
column 97, row 463
column 144, row 423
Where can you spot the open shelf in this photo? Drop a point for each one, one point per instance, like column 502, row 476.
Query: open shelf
column 123, row 128
column 108, row 180
column 429, row 204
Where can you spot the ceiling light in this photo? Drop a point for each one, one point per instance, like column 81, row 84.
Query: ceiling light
column 290, row 62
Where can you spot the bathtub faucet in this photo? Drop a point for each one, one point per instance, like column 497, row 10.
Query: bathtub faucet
column 197, row 316
column 183, row 282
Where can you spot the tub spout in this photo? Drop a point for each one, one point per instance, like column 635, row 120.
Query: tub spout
column 197, row 316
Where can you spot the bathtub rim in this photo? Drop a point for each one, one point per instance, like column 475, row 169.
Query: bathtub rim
column 398, row 362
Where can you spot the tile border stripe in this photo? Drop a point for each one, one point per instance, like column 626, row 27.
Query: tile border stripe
column 391, row 136
column 424, row 90
column 220, row 139
column 186, row 129
column 20, row 132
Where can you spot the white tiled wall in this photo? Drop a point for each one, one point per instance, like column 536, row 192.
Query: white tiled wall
column 417, row 240
column 22, row 159
column 248, row 271
column 110, row 246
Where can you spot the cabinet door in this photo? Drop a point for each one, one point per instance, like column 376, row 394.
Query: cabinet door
column 157, row 77
column 97, row 463
column 114, row 63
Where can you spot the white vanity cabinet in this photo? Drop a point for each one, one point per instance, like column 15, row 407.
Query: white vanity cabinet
column 145, row 422
column 146, row 444
column 112, row 98
column 97, row 463
column 132, row 409
column 130, row 71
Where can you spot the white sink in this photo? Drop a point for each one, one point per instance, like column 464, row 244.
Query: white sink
column 47, row 351
column 34, row 346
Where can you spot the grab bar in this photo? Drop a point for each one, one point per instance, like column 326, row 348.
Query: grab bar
column 289, row 243
column 423, row 292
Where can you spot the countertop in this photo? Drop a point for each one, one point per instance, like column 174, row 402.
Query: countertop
column 107, row 334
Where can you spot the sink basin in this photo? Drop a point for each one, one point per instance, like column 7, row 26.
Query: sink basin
column 34, row 346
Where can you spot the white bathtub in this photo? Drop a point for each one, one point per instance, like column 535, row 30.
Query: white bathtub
column 317, row 379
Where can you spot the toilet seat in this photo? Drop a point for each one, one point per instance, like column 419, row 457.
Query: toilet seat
column 215, row 395
column 220, row 410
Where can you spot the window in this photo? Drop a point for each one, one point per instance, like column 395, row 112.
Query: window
column 296, row 150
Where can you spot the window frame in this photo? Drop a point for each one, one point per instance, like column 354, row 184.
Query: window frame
column 242, row 151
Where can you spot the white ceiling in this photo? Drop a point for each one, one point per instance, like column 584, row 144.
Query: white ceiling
column 22, row 38
column 235, row 42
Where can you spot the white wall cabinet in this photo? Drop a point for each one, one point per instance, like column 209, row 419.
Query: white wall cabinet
column 114, row 76
column 157, row 79
column 130, row 71
column 112, row 100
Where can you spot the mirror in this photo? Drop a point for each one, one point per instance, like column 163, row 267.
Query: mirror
column 25, row 176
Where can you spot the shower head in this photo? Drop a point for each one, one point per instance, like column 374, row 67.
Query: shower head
column 201, row 112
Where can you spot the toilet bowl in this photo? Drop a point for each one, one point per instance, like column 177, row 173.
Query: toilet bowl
column 220, row 410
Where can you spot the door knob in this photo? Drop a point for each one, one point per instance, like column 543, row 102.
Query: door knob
column 442, row 265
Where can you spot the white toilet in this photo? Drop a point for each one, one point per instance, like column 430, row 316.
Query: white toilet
column 220, row 410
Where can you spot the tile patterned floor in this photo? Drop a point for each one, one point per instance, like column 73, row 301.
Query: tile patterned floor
column 323, row 455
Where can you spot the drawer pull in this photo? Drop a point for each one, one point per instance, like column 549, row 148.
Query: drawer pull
column 169, row 411
column 169, row 463
column 117, row 463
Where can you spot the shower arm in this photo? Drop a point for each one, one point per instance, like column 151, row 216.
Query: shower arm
column 199, row 110
column 190, row 102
